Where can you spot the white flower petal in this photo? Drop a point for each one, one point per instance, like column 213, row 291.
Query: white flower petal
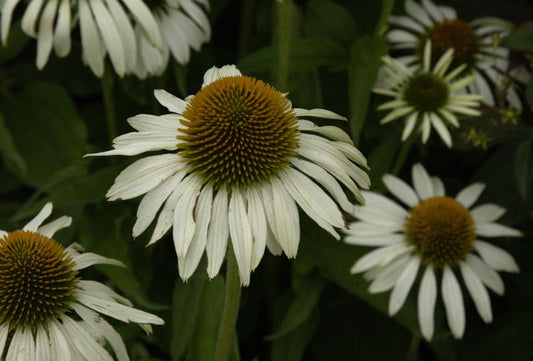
column 215, row 73
column 427, row 297
column 453, row 303
column 378, row 240
column 379, row 257
column 364, row 229
column 241, row 235
column 410, row 123
column 42, row 345
column 8, row 7
column 441, row 129
column 62, row 41
column 93, row 50
column 145, row 19
column 386, row 276
column 258, row 223
column 407, row 23
column 84, row 342
column 202, row 215
column 400, row 190
column 487, row 213
column 331, row 132
column 496, row 230
column 417, row 12
column 169, row 101
column 4, row 330
column 36, row 222
column 58, row 343
column 184, row 225
column 495, row 257
column 403, row 285
column 486, row 274
column 438, row 187
column 30, row 17
column 88, row 259
column 144, row 175
column 433, row 10
column 218, row 233
column 318, row 113
column 51, row 228
column 422, row 182
column 153, row 200
column 469, row 195
column 478, row 292
column 125, row 30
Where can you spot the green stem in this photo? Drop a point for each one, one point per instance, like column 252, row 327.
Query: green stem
column 231, row 308
column 404, row 151
column 384, row 16
column 106, row 83
column 412, row 351
column 247, row 22
column 283, row 41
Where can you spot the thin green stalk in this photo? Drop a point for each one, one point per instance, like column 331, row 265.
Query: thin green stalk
column 247, row 22
column 106, row 83
column 386, row 9
column 412, row 351
column 230, row 311
column 404, row 152
column 283, row 42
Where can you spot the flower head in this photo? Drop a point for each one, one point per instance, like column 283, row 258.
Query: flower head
column 475, row 44
column 240, row 158
column 137, row 35
column 183, row 25
column 427, row 97
column 47, row 311
column 439, row 234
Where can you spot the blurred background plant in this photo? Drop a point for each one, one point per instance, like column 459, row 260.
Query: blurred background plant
column 326, row 54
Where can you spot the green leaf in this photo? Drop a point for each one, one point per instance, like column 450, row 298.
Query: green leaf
column 365, row 61
column 15, row 43
column 46, row 129
column 292, row 346
column 326, row 18
column 10, row 154
column 381, row 158
column 307, row 294
column 103, row 232
column 186, row 301
column 203, row 342
column 74, row 188
column 521, row 38
column 523, row 165
column 306, row 54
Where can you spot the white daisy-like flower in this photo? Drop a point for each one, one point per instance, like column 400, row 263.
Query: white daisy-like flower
column 105, row 28
column 475, row 43
column 427, row 97
column 47, row 311
column 239, row 160
column 440, row 236
column 183, row 25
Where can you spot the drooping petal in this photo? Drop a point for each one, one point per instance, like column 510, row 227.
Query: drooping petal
column 453, row 303
column 478, row 292
column 218, row 233
column 403, row 285
column 241, row 235
column 427, row 297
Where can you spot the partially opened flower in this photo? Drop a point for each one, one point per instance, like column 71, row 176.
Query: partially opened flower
column 438, row 235
column 428, row 96
column 475, row 44
column 47, row 311
column 183, row 25
column 239, row 159
column 105, row 28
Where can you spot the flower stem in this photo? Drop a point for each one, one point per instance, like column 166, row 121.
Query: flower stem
column 386, row 9
column 404, row 151
column 106, row 83
column 283, row 40
column 412, row 351
column 247, row 23
column 231, row 308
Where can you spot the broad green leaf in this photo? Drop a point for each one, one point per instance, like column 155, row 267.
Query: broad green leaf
column 15, row 43
column 521, row 38
column 326, row 18
column 291, row 347
column 306, row 54
column 102, row 231
column 365, row 60
column 74, row 188
column 307, row 294
column 205, row 333
column 10, row 154
column 46, row 129
column 186, row 301
column 523, row 165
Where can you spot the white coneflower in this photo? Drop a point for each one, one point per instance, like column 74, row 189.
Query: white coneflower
column 440, row 235
column 105, row 28
column 475, row 44
column 183, row 25
column 427, row 97
column 49, row 313
column 239, row 160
